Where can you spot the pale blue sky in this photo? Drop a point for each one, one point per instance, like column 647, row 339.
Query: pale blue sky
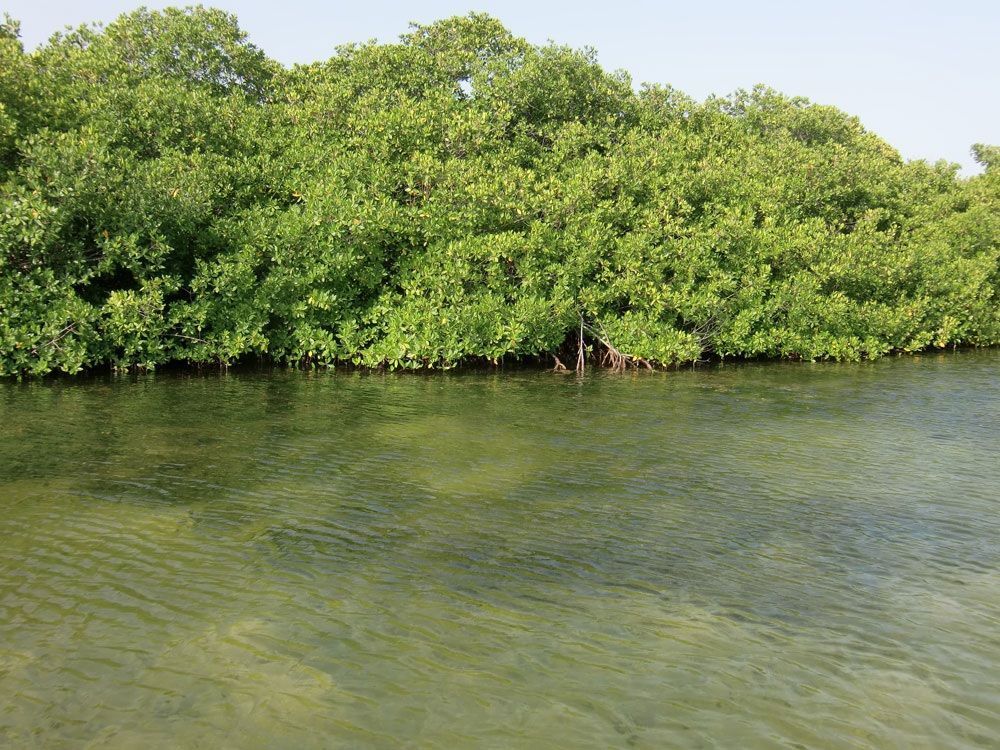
column 924, row 75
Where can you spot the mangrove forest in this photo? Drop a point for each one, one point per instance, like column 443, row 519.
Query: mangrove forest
column 172, row 194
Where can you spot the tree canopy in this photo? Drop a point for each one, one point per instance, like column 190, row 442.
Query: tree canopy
column 171, row 194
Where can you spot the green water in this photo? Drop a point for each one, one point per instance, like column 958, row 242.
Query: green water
column 756, row 556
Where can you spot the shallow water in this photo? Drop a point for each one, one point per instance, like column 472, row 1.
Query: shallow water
column 762, row 556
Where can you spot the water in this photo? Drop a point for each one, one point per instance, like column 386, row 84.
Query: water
column 756, row 556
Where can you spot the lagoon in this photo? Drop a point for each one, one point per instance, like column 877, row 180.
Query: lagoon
column 774, row 555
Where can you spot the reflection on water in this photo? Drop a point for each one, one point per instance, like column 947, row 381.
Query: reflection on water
column 756, row 556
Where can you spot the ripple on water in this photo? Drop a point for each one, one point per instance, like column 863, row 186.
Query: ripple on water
column 752, row 556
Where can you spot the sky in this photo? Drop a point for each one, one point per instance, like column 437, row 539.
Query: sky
column 923, row 75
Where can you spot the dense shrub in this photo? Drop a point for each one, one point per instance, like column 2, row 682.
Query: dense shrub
column 169, row 193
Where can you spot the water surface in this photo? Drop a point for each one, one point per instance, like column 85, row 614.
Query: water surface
column 758, row 556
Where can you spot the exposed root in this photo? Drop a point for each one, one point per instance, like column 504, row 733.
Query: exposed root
column 608, row 355
column 612, row 356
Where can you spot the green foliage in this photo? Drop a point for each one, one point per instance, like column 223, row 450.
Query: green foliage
column 988, row 156
column 170, row 193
